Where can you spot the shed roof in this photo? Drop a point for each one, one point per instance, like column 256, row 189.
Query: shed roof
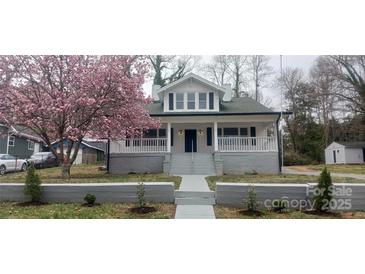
column 238, row 106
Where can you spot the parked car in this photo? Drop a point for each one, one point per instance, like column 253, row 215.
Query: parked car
column 43, row 159
column 11, row 163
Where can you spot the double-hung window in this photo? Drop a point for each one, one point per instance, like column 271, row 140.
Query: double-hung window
column 202, row 100
column 179, row 100
column 30, row 145
column 11, row 141
column 191, row 100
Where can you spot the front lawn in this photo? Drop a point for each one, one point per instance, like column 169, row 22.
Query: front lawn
column 222, row 212
column 272, row 178
column 77, row 211
column 89, row 174
column 355, row 169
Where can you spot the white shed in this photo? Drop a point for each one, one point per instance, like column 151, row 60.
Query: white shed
column 345, row 153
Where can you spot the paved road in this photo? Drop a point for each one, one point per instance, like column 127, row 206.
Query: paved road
column 195, row 183
column 288, row 170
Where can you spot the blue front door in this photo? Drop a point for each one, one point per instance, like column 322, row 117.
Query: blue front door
column 190, row 140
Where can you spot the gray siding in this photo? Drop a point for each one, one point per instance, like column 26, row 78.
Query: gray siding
column 124, row 163
column 20, row 149
column 3, row 139
column 238, row 163
column 75, row 193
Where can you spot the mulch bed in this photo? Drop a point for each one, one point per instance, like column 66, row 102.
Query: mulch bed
column 24, row 204
column 90, row 205
column 251, row 213
column 322, row 213
column 143, row 210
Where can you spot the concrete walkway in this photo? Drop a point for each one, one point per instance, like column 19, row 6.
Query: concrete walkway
column 194, row 183
column 287, row 170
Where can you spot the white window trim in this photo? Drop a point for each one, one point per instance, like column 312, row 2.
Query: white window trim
column 11, row 139
column 30, row 145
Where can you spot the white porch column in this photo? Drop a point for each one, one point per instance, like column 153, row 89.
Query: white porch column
column 215, row 130
column 169, row 137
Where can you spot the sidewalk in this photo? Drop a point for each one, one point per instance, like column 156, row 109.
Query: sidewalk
column 194, row 183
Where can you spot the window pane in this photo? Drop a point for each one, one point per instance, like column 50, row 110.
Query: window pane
column 151, row 133
column 191, row 100
column 211, row 100
column 219, row 132
column 243, row 131
column 179, row 100
column 202, row 100
column 162, row 133
column 171, row 101
column 230, row 131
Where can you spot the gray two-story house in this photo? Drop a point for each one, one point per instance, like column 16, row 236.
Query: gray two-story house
column 204, row 130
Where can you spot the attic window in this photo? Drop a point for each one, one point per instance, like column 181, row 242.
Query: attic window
column 191, row 100
column 179, row 100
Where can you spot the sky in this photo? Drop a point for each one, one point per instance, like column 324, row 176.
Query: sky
column 303, row 62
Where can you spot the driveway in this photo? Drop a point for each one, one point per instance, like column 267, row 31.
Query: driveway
column 288, row 170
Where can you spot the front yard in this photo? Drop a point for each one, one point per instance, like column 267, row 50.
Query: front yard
column 270, row 178
column 89, row 174
column 222, row 212
column 354, row 169
column 78, row 211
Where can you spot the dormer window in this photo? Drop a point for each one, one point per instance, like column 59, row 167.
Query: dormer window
column 191, row 100
column 202, row 100
column 179, row 100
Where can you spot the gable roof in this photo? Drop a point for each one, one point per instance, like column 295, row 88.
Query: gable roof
column 238, row 106
column 22, row 131
column 195, row 77
column 352, row 144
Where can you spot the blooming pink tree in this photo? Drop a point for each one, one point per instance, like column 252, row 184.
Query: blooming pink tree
column 69, row 97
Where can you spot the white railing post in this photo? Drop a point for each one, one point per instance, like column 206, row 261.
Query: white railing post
column 168, row 137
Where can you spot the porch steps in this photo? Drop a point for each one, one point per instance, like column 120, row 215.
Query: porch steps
column 194, row 197
column 183, row 163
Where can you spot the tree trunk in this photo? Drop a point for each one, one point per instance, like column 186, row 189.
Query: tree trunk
column 65, row 170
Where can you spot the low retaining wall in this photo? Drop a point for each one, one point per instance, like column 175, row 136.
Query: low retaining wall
column 124, row 163
column 239, row 162
column 297, row 195
column 104, row 192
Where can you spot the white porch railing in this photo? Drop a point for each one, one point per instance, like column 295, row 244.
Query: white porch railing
column 245, row 144
column 140, row 145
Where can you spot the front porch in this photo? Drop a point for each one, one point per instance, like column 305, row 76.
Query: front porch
column 201, row 145
column 207, row 138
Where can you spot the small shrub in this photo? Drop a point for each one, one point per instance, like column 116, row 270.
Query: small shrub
column 279, row 205
column 33, row 185
column 253, row 172
column 90, row 199
column 323, row 196
column 251, row 201
column 140, row 195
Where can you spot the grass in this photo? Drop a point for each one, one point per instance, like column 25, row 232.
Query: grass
column 355, row 169
column 89, row 174
column 222, row 212
column 77, row 211
column 272, row 178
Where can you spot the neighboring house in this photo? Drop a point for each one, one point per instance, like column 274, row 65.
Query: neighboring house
column 203, row 131
column 345, row 153
column 19, row 141
column 89, row 152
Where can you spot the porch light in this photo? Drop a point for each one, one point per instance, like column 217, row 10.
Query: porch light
column 180, row 132
column 201, row 132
